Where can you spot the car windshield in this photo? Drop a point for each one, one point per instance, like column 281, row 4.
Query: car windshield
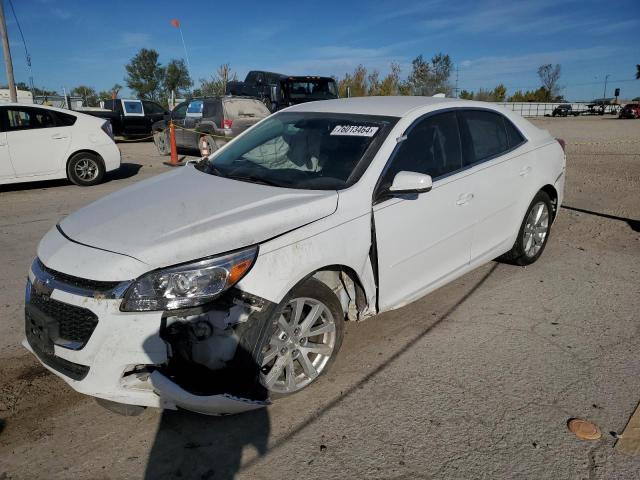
column 314, row 151
column 313, row 88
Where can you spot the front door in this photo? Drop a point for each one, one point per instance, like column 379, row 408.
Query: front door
column 37, row 145
column 423, row 239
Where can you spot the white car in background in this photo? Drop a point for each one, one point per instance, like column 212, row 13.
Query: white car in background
column 325, row 211
column 46, row 143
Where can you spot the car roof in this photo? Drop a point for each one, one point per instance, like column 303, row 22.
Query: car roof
column 388, row 106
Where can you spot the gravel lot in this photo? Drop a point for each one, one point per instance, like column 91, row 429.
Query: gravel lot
column 476, row 380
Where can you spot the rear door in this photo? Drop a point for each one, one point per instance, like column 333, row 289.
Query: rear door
column 494, row 161
column 38, row 144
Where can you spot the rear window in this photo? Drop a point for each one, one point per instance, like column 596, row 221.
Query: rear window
column 132, row 107
column 514, row 137
column 242, row 108
column 64, row 119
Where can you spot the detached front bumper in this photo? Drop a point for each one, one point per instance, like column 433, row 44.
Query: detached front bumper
column 81, row 335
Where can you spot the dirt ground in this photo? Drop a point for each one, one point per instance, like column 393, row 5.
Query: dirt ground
column 476, row 380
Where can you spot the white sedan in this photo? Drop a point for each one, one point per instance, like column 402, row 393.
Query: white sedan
column 46, row 143
column 323, row 212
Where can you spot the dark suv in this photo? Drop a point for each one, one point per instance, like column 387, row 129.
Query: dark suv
column 207, row 123
column 562, row 110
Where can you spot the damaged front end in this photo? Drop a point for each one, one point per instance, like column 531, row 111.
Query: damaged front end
column 213, row 354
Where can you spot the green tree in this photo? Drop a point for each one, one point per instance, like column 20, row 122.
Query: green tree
column 216, row 85
column 419, row 77
column 466, row 95
column 145, row 75
column 430, row 78
column 88, row 95
column 499, row 93
column 177, row 77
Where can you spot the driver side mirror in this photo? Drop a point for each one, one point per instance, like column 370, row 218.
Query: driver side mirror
column 411, row 182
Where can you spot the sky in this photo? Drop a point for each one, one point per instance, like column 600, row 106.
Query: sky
column 73, row 42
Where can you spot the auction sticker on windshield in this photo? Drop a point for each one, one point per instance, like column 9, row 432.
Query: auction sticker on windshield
column 354, row 130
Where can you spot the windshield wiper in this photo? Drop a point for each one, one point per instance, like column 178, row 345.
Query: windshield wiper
column 253, row 179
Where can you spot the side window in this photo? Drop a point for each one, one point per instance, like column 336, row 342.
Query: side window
column 486, row 133
column 432, row 146
column 152, row 108
column 180, row 111
column 514, row 137
column 28, row 119
column 132, row 107
column 195, row 108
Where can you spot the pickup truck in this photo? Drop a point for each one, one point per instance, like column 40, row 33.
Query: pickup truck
column 128, row 117
column 278, row 91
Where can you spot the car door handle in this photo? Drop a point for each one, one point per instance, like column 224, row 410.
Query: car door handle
column 58, row 136
column 525, row 171
column 464, row 198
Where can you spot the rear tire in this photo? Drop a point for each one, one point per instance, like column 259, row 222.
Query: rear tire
column 533, row 234
column 85, row 169
column 161, row 140
column 211, row 145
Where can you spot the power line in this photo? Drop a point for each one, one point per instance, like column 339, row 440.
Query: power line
column 24, row 43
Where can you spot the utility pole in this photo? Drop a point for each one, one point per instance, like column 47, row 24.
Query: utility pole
column 7, row 56
column 604, row 95
column 456, row 89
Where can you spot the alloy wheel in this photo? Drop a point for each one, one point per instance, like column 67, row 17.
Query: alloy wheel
column 86, row 169
column 535, row 229
column 300, row 347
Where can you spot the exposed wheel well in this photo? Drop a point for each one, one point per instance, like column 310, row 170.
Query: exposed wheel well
column 553, row 195
column 347, row 286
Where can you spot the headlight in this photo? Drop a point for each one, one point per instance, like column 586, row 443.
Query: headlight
column 188, row 285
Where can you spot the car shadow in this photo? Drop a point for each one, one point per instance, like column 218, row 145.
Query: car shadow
column 126, row 170
column 634, row 224
column 2, row 424
column 190, row 445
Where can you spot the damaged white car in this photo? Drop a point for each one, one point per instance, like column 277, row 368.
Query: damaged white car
column 224, row 284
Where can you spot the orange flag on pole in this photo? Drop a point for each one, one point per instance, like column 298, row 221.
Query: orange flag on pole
column 175, row 22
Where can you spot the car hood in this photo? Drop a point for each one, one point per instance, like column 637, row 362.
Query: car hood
column 187, row 214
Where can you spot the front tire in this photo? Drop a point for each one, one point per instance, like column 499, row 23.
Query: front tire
column 533, row 234
column 85, row 169
column 302, row 340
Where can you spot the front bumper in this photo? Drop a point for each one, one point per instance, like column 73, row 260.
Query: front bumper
column 116, row 358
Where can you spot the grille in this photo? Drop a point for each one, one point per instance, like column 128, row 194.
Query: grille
column 95, row 285
column 75, row 324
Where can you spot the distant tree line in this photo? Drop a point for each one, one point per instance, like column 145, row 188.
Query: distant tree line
column 148, row 79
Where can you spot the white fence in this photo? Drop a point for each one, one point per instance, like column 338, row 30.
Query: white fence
column 530, row 109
